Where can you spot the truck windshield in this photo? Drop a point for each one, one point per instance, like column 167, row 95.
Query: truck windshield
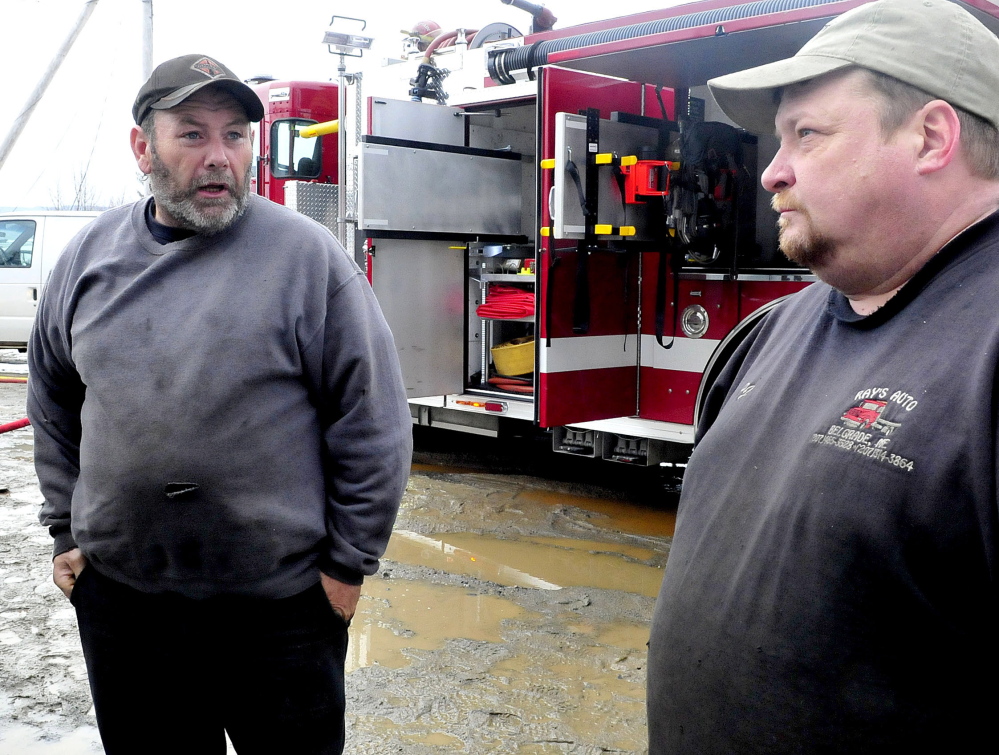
column 17, row 239
column 292, row 155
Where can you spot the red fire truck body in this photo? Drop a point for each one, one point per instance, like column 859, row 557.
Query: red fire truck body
column 526, row 179
column 288, row 105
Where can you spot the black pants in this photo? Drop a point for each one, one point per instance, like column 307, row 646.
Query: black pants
column 168, row 673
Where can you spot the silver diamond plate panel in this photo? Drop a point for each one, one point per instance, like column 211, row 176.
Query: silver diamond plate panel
column 317, row 201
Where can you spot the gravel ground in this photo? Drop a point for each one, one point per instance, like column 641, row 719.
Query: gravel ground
column 510, row 614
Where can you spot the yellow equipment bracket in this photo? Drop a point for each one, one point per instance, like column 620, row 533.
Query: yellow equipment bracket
column 606, row 229
column 319, row 129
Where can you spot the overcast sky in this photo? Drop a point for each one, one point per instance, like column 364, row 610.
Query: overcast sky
column 82, row 123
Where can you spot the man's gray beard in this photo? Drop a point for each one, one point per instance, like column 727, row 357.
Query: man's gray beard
column 182, row 204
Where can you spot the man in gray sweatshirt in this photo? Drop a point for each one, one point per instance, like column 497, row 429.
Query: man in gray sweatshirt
column 221, row 437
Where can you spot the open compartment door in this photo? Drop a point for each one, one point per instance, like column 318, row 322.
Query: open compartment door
column 588, row 344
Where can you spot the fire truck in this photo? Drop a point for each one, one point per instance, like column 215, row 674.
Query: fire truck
column 563, row 230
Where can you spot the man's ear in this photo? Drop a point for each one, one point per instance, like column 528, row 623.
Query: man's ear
column 142, row 148
column 939, row 132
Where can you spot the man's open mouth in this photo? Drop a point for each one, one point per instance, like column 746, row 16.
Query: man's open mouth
column 213, row 190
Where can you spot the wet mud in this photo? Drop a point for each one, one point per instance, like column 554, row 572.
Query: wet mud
column 510, row 613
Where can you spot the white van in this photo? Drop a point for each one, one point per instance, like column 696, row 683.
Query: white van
column 30, row 243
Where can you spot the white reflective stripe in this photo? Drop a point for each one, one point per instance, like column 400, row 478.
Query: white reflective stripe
column 588, row 353
column 686, row 354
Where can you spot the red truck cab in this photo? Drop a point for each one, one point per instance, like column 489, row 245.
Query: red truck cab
column 288, row 107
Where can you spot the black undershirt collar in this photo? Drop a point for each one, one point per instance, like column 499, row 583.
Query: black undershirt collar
column 164, row 234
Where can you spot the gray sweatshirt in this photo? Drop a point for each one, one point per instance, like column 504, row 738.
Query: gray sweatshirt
column 217, row 415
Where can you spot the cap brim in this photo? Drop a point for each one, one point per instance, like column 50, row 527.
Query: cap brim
column 749, row 97
column 244, row 95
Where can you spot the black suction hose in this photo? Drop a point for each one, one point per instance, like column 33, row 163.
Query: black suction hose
column 503, row 63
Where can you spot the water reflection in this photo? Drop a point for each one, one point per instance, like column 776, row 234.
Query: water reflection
column 545, row 563
column 395, row 615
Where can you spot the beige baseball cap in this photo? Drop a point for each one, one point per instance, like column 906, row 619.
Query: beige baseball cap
column 931, row 44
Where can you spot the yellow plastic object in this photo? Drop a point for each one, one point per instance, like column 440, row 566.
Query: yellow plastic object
column 627, row 230
column 546, row 231
column 603, row 158
column 320, row 129
column 603, row 229
column 629, row 160
column 548, row 163
column 514, row 357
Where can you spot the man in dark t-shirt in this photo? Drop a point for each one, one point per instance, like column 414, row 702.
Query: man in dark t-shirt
column 831, row 585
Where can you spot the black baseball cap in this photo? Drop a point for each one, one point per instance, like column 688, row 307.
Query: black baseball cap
column 175, row 80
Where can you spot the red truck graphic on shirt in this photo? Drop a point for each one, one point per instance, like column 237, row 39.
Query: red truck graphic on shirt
column 867, row 414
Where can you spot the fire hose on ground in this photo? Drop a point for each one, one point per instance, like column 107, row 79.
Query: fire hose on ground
column 16, row 425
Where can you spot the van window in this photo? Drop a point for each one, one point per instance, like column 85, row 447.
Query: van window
column 17, row 240
column 294, row 156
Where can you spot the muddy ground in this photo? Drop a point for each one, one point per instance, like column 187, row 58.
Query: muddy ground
column 510, row 614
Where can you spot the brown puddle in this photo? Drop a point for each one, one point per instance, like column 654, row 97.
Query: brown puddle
column 584, row 689
column 545, row 563
column 625, row 517
column 398, row 614
column 603, row 698
column 439, row 469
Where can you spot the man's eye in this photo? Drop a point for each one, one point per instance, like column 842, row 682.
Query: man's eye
column 236, row 135
column 191, row 135
column 803, row 132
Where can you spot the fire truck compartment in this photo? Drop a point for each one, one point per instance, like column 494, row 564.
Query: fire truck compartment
column 415, row 187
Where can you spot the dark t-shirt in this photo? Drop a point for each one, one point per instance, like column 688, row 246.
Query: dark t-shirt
column 164, row 234
column 831, row 583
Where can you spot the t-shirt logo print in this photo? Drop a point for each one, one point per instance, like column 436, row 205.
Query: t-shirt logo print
column 863, row 430
column 209, row 67
column 867, row 415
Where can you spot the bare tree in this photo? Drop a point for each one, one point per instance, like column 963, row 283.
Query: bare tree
column 83, row 195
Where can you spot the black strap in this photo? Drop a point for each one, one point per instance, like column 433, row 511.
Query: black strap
column 619, row 177
column 588, row 198
column 573, row 172
column 549, row 288
column 581, row 304
column 670, row 258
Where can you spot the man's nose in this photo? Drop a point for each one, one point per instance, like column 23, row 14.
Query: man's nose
column 778, row 175
column 216, row 157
